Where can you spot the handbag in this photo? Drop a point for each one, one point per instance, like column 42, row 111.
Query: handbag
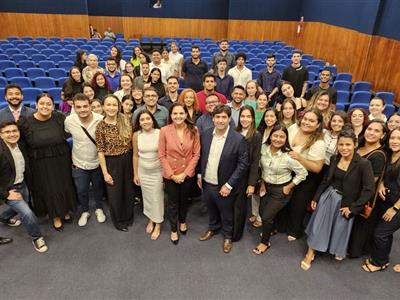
column 368, row 207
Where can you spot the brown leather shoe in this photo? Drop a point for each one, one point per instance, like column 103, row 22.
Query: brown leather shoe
column 207, row 235
column 227, row 245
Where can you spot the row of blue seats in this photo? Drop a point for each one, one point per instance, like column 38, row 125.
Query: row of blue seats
column 43, row 82
column 44, row 64
column 30, row 94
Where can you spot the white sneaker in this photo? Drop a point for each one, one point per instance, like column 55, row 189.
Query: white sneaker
column 83, row 219
column 40, row 245
column 13, row 222
column 101, row 217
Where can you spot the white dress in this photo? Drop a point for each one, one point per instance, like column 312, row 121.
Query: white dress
column 150, row 176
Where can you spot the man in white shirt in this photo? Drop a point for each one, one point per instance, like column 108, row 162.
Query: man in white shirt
column 224, row 162
column 176, row 57
column 240, row 73
column 14, row 173
column 157, row 63
column 85, row 169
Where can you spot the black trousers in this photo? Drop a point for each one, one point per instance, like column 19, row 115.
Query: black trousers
column 178, row 200
column 383, row 239
column 270, row 205
column 120, row 194
column 240, row 211
column 291, row 219
column 220, row 209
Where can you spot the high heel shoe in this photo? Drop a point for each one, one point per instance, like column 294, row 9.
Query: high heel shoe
column 60, row 228
column 175, row 242
column 183, row 231
column 306, row 266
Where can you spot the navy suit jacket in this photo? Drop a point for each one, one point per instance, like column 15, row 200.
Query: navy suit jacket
column 7, row 116
column 234, row 158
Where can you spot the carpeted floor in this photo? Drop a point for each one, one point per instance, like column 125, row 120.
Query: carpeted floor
column 99, row 262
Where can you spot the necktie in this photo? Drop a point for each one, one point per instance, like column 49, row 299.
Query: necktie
column 16, row 114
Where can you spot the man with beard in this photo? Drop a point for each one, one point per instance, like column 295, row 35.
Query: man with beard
column 13, row 95
column 238, row 95
column 209, row 84
column 86, row 171
column 172, row 92
column 269, row 79
column 223, row 53
column 193, row 70
column 141, row 80
column 325, row 76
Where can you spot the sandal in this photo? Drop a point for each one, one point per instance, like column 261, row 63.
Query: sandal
column 258, row 251
column 257, row 224
column 252, row 218
column 339, row 258
column 291, row 238
column 396, row 268
column 150, row 227
column 306, row 266
column 156, row 233
column 370, row 268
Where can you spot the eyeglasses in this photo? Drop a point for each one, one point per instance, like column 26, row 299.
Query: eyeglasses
column 212, row 102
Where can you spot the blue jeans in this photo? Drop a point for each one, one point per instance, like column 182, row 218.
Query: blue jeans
column 21, row 208
column 82, row 179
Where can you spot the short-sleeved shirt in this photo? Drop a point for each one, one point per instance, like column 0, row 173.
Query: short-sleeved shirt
column 230, row 59
column 316, row 88
column 297, row 77
column 315, row 152
column 194, row 74
column 161, row 114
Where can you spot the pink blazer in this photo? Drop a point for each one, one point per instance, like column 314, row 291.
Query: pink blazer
column 177, row 158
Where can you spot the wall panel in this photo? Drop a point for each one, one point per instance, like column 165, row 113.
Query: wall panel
column 383, row 65
column 22, row 24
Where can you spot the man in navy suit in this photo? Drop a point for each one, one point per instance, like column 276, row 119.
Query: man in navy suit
column 224, row 161
column 15, row 109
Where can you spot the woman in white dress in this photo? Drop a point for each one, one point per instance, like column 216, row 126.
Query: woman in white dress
column 147, row 170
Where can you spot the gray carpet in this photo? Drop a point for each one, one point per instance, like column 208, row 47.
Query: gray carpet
column 99, row 262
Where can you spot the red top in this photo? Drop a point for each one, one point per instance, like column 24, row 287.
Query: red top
column 201, row 100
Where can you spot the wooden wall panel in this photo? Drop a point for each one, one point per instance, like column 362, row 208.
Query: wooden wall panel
column 13, row 24
column 101, row 23
column 262, row 30
column 383, row 65
column 136, row 27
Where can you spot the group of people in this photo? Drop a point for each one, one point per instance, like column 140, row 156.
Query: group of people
column 268, row 149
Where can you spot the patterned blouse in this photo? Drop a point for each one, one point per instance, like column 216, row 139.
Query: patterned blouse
column 109, row 142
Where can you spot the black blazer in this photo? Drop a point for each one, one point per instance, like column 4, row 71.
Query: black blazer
column 234, row 158
column 7, row 169
column 358, row 185
column 254, row 146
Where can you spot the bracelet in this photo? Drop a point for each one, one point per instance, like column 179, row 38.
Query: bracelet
column 395, row 208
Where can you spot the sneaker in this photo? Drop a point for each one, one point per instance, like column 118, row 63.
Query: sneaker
column 13, row 222
column 83, row 219
column 100, row 216
column 40, row 245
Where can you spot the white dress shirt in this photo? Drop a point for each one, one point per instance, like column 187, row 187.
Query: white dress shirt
column 277, row 168
column 240, row 77
column 84, row 151
column 19, row 163
column 217, row 145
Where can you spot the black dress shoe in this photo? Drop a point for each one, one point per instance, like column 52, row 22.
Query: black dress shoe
column 183, row 231
column 124, row 229
column 175, row 242
column 59, row 229
column 4, row 240
column 69, row 220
